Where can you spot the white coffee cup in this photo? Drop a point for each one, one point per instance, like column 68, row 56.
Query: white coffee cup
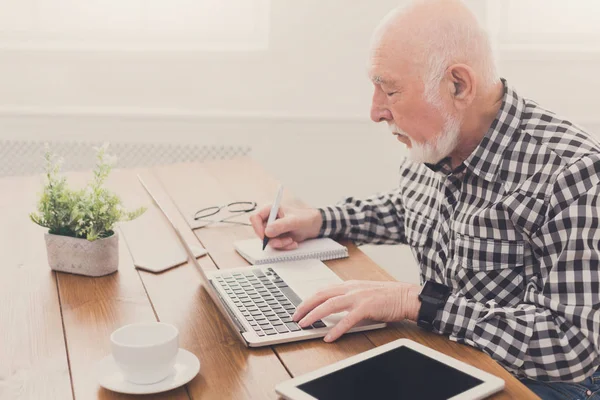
column 145, row 352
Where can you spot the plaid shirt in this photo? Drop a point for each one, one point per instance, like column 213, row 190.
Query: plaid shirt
column 514, row 231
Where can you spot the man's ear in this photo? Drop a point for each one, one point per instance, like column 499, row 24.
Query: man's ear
column 462, row 85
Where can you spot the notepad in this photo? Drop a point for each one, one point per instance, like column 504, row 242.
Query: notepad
column 321, row 249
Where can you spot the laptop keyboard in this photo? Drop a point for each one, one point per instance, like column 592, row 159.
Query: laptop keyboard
column 265, row 301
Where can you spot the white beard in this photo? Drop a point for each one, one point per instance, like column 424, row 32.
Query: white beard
column 434, row 151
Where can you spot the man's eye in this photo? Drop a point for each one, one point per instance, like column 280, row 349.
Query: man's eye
column 391, row 93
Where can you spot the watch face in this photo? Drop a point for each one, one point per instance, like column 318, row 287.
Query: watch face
column 435, row 290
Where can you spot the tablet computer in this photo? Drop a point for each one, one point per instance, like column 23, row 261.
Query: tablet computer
column 402, row 369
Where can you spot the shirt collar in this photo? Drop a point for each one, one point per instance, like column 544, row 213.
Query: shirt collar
column 485, row 159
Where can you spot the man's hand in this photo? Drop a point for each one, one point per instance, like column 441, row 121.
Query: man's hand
column 293, row 225
column 379, row 301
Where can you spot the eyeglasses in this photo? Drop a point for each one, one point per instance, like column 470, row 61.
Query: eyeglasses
column 236, row 209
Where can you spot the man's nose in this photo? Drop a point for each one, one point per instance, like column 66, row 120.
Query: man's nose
column 378, row 110
column 379, row 114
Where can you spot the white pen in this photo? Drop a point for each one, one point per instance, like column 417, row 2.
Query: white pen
column 273, row 213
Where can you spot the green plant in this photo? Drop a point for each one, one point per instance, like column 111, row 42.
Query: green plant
column 90, row 213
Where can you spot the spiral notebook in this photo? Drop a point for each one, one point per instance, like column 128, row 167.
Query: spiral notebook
column 321, row 249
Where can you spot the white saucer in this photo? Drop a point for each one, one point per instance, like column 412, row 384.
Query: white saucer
column 185, row 369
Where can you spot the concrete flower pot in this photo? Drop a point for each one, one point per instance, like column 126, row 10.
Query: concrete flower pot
column 80, row 256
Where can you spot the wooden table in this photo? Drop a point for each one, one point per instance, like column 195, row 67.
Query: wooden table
column 54, row 327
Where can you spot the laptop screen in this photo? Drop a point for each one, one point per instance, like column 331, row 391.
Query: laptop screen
column 401, row 373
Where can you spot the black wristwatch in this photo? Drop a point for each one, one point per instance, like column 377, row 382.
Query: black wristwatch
column 433, row 296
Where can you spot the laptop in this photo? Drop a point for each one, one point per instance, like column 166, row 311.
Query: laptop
column 258, row 301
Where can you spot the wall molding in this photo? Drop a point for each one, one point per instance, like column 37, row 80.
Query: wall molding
column 206, row 116
column 177, row 114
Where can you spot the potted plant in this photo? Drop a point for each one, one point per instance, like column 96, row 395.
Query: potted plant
column 81, row 238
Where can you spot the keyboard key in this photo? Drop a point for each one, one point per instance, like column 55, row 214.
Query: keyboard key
column 319, row 324
column 253, row 323
column 282, row 314
column 281, row 284
column 256, row 328
column 270, row 331
column 287, row 319
column 260, row 318
column 264, row 323
column 281, row 329
column 308, row 327
column 260, row 333
column 273, row 318
column 292, row 326
column 258, row 272
column 259, row 301
column 256, row 313
column 246, row 314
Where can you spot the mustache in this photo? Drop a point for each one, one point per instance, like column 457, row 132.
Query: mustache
column 394, row 129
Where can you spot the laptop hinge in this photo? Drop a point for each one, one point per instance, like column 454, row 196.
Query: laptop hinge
column 236, row 321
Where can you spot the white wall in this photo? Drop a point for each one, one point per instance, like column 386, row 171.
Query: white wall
column 302, row 103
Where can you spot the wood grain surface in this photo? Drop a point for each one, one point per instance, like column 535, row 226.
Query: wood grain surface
column 33, row 358
column 59, row 324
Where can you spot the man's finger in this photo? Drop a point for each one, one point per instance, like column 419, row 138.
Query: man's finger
column 258, row 225
column 281, row 226
column 281, row 242
column 318, row 298
column 353, row 318
column 291, row 246
column 331, row 306
column 259, row 220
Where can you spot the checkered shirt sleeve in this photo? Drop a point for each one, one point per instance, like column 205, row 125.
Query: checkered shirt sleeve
column 378, row 219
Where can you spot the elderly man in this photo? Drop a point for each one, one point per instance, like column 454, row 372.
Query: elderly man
column 500, row 205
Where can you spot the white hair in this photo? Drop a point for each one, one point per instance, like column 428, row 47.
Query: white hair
column 457, row 43
column 434, row 151
column 445, row 42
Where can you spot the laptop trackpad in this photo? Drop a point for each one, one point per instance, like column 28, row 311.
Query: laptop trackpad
column 308, row 277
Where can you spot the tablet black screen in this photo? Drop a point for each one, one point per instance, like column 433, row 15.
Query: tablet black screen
column 401, row 373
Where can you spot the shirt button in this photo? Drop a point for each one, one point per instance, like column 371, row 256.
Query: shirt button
column 588, row 393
